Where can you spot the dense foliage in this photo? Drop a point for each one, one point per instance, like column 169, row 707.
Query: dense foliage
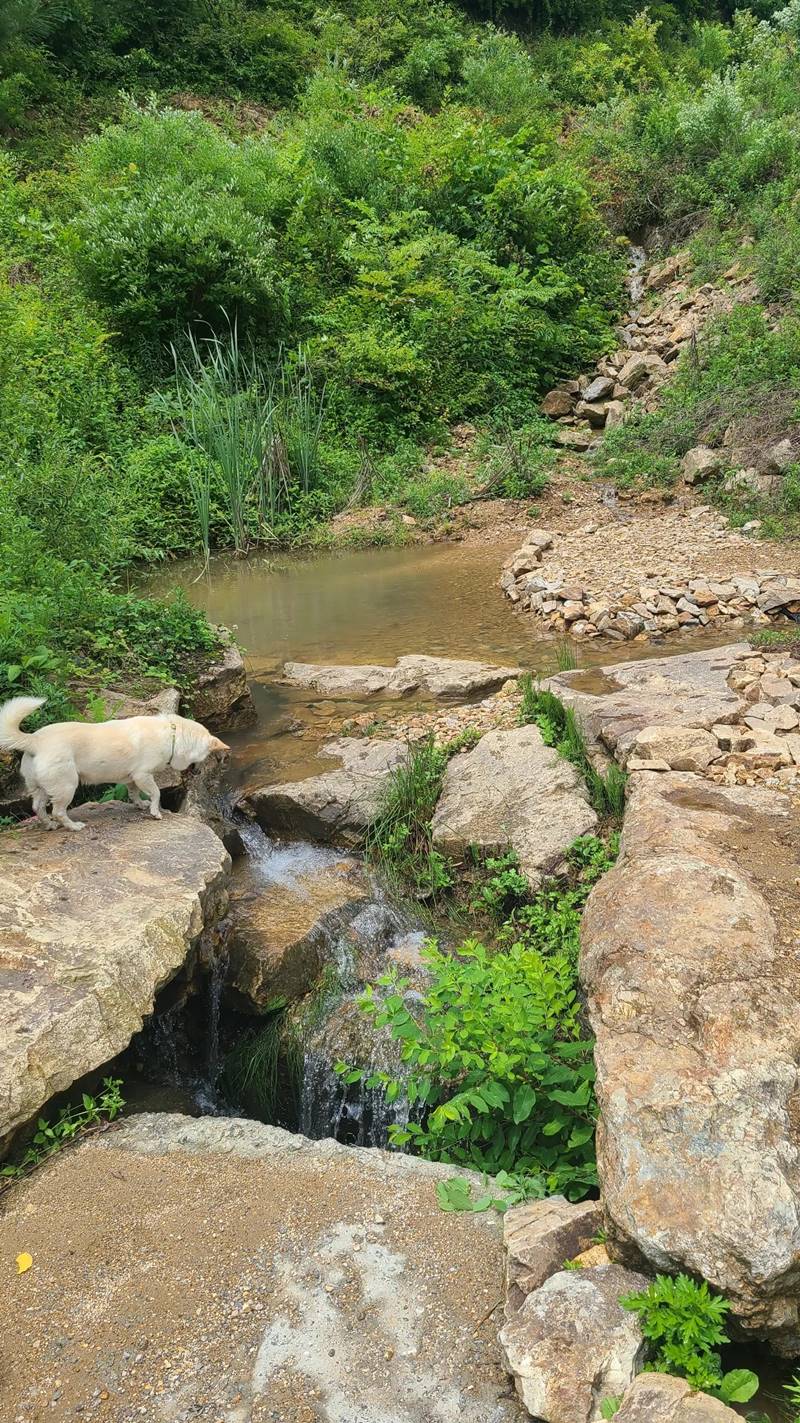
column 498, row 1061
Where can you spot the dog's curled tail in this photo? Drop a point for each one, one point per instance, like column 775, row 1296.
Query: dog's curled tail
column 11, row 714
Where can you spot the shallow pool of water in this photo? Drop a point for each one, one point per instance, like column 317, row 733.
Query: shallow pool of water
column 367, row 605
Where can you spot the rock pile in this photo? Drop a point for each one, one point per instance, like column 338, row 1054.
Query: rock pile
column 659, row 604
column 651, row 340
column 570, row 1345
column 762, row 735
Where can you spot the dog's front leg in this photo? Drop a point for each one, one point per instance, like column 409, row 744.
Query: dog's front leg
column 147, row 784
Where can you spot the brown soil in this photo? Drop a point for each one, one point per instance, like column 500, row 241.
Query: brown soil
column 320, row 1284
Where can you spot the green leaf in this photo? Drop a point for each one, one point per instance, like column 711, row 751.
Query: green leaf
column 738, row 1386
column 523, row 1103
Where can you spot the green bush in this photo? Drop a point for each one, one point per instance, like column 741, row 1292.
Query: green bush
column 498, row 1063
column 684, row 1322
column 174, row 225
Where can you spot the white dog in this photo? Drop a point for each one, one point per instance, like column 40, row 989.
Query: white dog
column 57, row 758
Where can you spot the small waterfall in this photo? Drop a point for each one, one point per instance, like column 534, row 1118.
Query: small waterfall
column 216, row 984
column 358, row 941
column 638, row 257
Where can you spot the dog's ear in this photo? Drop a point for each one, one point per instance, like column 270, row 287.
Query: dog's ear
column 217, row 745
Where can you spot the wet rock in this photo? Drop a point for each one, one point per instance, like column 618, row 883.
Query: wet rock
column 701, row 463
column 92, row 925
column 660, row 1398
column 512, row 791
column 445, row 677
column 289, row 903
column 337, row 806
column 695, row 1006
column 688, row 690
column 539, row 1236
column 571, row 1344
column 221, row 698
column 679, row 748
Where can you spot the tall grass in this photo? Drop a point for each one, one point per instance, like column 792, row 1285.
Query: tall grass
column 256, row 431
column 400, row 837
column 561, row 729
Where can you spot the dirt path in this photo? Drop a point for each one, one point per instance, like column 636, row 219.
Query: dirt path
column 234, row 1273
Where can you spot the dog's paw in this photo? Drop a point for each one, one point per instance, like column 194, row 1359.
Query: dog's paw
column 156, row 814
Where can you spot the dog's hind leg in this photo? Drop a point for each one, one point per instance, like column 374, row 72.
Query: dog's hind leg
column 146, row 783
column 40, row 799
column 61, row 793
column 37, row 793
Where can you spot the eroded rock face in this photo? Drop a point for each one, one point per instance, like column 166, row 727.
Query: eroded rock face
column 92, row 925
column 336, row 807
column 514, row 792
column 571, row 1344
column 618, row 702
column 538, row 1237
column 443, row 677
column 221, row 698
column 690, row 961
column 660, row 1398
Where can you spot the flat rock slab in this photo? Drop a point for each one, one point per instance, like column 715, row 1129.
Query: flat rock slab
column 227, row 1270
column 443, row 677
column 615, row 703
column 338, row 806
column 514, row 792
column 691, row 961
column 92, row 924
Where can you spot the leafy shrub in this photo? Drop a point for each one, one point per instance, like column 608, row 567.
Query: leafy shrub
column 498, row 1063
column 174, row 225
column 684, row 1321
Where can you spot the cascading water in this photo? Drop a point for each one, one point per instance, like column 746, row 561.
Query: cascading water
column 359, row 942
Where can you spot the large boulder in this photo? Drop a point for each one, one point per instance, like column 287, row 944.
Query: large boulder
column 660, row 1398
column 689, row 960
column 222, row 1269
column 513, row 792
column 571, row 1344
column 92, row 925
column 337, row 806
column 221, row 698
column 539, row 1236
column 690, row 689
column 445, row 677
